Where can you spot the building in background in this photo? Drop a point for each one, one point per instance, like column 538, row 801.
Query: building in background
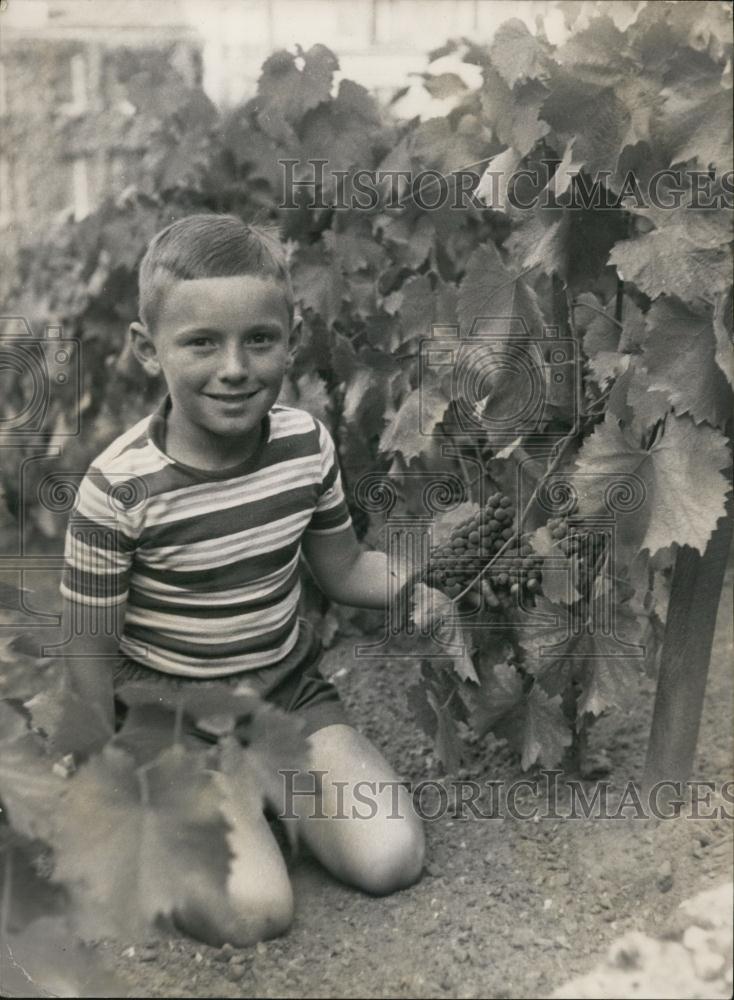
column 378, row 42
column 74, row 90
column 81, row 79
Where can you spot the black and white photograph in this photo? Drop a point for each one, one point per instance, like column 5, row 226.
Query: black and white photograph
column 366, row 424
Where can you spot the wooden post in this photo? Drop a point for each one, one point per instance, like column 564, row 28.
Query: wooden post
column 689, row 632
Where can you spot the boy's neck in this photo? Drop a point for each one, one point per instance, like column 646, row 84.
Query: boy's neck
column 195, row 446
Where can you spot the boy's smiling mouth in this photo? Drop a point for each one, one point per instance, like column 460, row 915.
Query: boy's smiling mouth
column 231, row 397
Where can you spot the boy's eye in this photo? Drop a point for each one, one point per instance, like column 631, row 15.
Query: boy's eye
column 200, row 341
column 261, row 337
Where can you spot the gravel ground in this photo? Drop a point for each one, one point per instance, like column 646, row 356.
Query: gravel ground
column 506, row 908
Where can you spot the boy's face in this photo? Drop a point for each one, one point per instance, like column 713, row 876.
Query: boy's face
column 223, row 346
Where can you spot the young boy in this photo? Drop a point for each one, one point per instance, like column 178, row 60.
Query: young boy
column 224, row 491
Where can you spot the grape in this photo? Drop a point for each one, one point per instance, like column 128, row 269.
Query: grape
column 461, row 558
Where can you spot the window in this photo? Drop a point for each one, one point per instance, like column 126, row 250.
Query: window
column 79, row 82
column 78, row 89
column 80, row 187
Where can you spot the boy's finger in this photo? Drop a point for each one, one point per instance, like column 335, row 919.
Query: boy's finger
column 488, row 593
column 471, row 599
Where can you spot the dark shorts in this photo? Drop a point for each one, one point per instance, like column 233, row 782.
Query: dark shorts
column 294, row 684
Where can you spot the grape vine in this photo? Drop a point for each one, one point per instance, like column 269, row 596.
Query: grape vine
column 634, row 417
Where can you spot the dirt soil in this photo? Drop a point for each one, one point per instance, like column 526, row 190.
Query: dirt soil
column 506, row 907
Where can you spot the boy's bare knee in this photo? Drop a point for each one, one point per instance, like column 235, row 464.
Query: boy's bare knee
column 240, row 922
column 396, row 865
column 269, row 920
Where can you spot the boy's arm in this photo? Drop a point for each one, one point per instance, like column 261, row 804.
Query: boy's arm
column 90, row 653
column 350, row 574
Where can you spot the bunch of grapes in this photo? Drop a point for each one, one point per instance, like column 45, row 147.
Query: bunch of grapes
column 583, row 547
column 520, row 571
column 473, row 543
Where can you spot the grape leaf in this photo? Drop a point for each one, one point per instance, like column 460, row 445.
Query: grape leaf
column 29, row 789
column 463, row 662
column 573, row 243
column 698, row 126
column 536, row 728
column 684, row 488
column 429, row 606
column 565, row 172
column 285, row 92
column 419, row 413
column 46, row 960
column 723, row 316
column 313, row 396
column 408, row 236
column 29, row 895
column 252, row 765
column 596, row 53
column 688, row 258
column 493, row 184
column 603, row 654
column 491, row 291
column 416, row 310
column 514, row 112
column 558, row 571
column 443, row 85
column 609, row 684
column 318, row 283
column 634, row 402
column 417, row 702
column 367, row 401
column 499, row 693
column 355, row 251
column 436, row 722
column 679, row 356
column 517, row 54
column 591, row 115
column 605, row 342
column 138, row 837
column 342, row 131
column 446, row 739
column 435, row 145
column 71, row 724
column 546, row 732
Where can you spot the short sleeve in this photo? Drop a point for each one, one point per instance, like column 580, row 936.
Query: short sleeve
column 100, row 542
column 331, row 513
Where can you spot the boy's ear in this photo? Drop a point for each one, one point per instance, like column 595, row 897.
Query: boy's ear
column 143, row 347
column 294, row 341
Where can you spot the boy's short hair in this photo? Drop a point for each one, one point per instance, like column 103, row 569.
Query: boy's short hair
column 209, row 246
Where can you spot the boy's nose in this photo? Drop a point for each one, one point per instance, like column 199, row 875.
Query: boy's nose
column 234, row 367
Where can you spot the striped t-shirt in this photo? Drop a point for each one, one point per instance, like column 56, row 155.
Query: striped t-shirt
column 206, row 563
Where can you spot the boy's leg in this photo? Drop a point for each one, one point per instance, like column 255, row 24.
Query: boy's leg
column 258, row 903
column 363, row 827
